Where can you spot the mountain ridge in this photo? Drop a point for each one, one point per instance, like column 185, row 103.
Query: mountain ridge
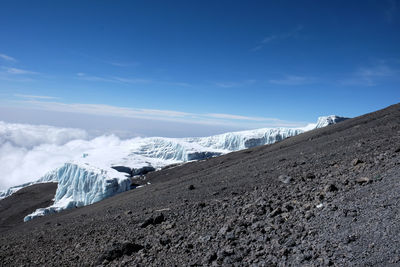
column 307, row 200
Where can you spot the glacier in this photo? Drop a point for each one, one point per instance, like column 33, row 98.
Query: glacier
column 328, row 120
column 80, row 186
column 245, row 139
column 91, row 175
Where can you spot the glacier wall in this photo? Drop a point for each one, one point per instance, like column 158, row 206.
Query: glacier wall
column 89, row 176
column 187, row 149
column 246, row 139
column 328, row 120
column 175, row 149
column 80, row 186
column 203, row 147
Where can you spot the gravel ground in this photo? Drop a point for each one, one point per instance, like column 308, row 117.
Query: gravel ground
column 14, row 208
column 329, row 197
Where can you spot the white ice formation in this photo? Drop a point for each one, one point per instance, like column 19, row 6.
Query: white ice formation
column 80, row 186
column 89, row 177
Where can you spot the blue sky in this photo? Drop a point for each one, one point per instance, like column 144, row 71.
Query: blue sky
column 215, row 65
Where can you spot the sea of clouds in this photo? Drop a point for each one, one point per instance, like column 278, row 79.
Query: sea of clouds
column 27, row 152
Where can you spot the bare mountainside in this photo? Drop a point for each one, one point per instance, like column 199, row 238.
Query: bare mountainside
column 326, row 197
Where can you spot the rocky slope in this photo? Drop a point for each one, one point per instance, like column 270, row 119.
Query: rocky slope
column 326, row 197
column 14, row 208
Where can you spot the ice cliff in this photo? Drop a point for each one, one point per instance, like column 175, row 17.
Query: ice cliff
column 80, row 186
column 328, row 120
column 246, row 139
column 93, row 176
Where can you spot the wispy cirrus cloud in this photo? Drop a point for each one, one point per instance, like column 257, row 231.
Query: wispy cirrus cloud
column 131, row 80
column 123, row 64
column 239, row 117
column 8, row 72
column 101, row 109
column 371, row 76
column 391, row 10
column 42, row 103
column 92, row 78
column 42, row 97
column 234, row 84
column 282, row 36
column 7, row 58
column 110, row 79
column 18, row 71
column 116, row 79
column 293, row 80
column 16, row 74
column 181, row 84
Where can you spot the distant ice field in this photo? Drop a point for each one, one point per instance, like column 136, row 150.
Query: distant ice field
column 82, row 165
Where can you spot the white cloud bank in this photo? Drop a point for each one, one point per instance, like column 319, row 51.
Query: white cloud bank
column 28, row 151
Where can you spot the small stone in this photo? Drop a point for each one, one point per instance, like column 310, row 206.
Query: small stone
column 168, row 226
column 310, row 175
column 225, row 252
column 153, row 221
column 128, row 212
column 330, row 188
column 307, row 257
column 284, row 252
column 288, row 207
column 230, row 236
column 147, row 222
column 275, row 212
column 118, row 250
column 356, row 161
column 224, row 229
column 128, row 248
column 159, row 219
column 351, row 238
column 308, row 215
column 191, row 187
column 363, row 180
column 165, row 241
column 210, row 257
column 205, row 239
column 333, row 208
column 286, row 179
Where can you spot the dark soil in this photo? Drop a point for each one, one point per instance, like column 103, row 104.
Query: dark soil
column 325, row 197
column 14, row 208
